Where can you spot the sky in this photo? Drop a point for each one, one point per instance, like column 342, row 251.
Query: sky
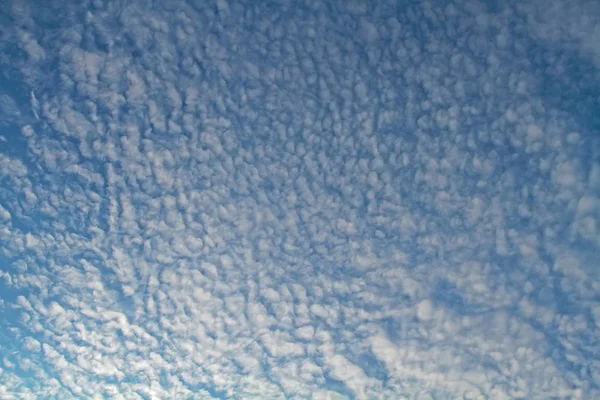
column 283, row 199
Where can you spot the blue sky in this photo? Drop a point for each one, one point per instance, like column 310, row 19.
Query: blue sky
column 299, row 200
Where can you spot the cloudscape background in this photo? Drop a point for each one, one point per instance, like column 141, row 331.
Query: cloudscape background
column 299, row 199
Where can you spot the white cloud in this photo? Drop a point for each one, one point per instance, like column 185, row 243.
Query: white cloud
column 301, row 203
column 425, row 310
column 11, row 167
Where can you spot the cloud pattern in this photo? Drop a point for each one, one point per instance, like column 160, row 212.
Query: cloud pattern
column 290, row 200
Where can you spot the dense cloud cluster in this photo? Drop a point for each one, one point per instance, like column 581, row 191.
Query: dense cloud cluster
column 286, row 200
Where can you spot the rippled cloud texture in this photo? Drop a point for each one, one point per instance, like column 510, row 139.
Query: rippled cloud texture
column 295, row 199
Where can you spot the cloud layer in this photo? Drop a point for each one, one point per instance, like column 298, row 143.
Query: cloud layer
column 286, row 200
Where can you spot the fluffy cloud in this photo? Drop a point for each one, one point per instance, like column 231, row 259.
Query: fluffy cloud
column 327, row 200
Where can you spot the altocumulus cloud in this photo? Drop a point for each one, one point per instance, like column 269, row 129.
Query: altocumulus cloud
column 296, row 199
